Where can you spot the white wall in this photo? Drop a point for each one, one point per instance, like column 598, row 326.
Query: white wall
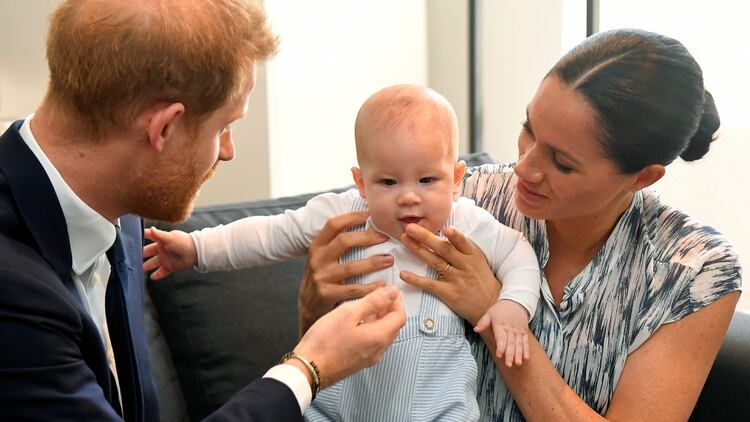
column 23, row 67
column 521, row 41
column 334, row 54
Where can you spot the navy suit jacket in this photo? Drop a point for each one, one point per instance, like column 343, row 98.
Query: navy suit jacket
column 52, row 362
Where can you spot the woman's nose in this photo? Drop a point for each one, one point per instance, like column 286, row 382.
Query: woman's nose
column 527, row 167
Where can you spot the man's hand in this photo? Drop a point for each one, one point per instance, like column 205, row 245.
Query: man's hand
column 354, row 335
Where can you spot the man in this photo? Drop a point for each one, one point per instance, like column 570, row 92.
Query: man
column 136, row 117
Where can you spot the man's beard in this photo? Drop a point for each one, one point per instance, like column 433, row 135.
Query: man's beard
column 170, row 195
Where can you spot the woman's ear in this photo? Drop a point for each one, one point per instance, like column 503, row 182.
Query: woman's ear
column 359, row 181
column 162, row 122
column 648, row 176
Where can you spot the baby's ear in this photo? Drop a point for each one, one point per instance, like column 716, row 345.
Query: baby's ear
column 458, row 176
column 359, row 181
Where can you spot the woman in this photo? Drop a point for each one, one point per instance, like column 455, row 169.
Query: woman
column 637, row 296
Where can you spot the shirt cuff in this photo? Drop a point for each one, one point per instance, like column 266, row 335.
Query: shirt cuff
column 295, row 380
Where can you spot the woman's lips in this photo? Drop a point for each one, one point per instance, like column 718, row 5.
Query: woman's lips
column 527, row 194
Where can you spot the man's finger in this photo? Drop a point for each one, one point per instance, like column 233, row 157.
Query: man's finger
column 375, row 302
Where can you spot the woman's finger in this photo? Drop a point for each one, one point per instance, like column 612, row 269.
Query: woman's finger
column 441, row 247
column 340, row 272
column 336, row 247
column 459, row 241
column 425, row 283
column 426, row 255
column 337, row 224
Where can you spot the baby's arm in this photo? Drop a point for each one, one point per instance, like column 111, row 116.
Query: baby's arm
column 170, row 252
column 261, row 240
column 509, row 324
column 514, row 262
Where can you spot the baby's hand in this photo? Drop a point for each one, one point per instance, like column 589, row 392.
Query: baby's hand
column 509, row 322
column 171, row 251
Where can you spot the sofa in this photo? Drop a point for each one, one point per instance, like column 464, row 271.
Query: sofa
column 211, row 334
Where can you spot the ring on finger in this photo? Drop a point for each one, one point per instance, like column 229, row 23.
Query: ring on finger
column 441, row 274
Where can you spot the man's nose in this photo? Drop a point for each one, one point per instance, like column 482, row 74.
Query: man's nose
column 226, row 146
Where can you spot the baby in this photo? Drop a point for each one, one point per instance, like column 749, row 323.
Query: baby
column 407, row 145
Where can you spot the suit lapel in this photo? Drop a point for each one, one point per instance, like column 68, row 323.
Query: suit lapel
column 37, row 202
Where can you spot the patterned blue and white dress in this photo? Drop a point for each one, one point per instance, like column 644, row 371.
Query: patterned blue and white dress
column 658, row 266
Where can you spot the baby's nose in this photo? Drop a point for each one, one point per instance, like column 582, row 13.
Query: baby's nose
column 409, row 197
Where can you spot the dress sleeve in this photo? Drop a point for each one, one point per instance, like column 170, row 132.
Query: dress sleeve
column 720, row 274
column 261, row 240
column 677, row 290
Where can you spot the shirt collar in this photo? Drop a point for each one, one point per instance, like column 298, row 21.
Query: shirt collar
column 90, row 234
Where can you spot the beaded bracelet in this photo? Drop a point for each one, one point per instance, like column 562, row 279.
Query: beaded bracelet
column 314, row 371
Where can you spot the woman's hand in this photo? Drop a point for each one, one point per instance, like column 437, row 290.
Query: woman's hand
column 467, row 284
column 323, row 285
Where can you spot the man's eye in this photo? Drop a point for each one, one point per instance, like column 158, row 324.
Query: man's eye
column 426, row 180
column 388, row 182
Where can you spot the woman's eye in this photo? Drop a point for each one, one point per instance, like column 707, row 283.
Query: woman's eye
column 562, row 168
column 526, row 126
column 426, row 180
column 388, row 182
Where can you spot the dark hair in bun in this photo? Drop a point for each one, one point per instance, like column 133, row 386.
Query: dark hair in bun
column 647, row 91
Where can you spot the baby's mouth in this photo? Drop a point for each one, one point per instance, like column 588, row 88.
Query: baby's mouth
column 409, row 220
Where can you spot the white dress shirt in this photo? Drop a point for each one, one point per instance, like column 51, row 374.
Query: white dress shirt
column 90, row 235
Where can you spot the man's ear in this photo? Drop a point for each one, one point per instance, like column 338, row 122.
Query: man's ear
column 162, row 122
column 648, row 176
column 458, row 176
column 359, row 181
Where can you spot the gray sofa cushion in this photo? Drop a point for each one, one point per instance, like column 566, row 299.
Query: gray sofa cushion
column 225, row 329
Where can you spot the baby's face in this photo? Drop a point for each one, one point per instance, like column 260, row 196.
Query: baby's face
column 409, row 178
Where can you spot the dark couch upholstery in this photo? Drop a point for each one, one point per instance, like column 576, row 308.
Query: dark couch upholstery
column 211, row 334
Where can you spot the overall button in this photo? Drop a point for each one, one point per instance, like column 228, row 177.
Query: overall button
column 429, row 324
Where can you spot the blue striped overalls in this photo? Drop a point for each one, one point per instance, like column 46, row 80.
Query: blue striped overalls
column 427, row 374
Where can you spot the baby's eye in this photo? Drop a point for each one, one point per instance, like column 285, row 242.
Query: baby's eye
column 388, row 182
column 426, row 180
